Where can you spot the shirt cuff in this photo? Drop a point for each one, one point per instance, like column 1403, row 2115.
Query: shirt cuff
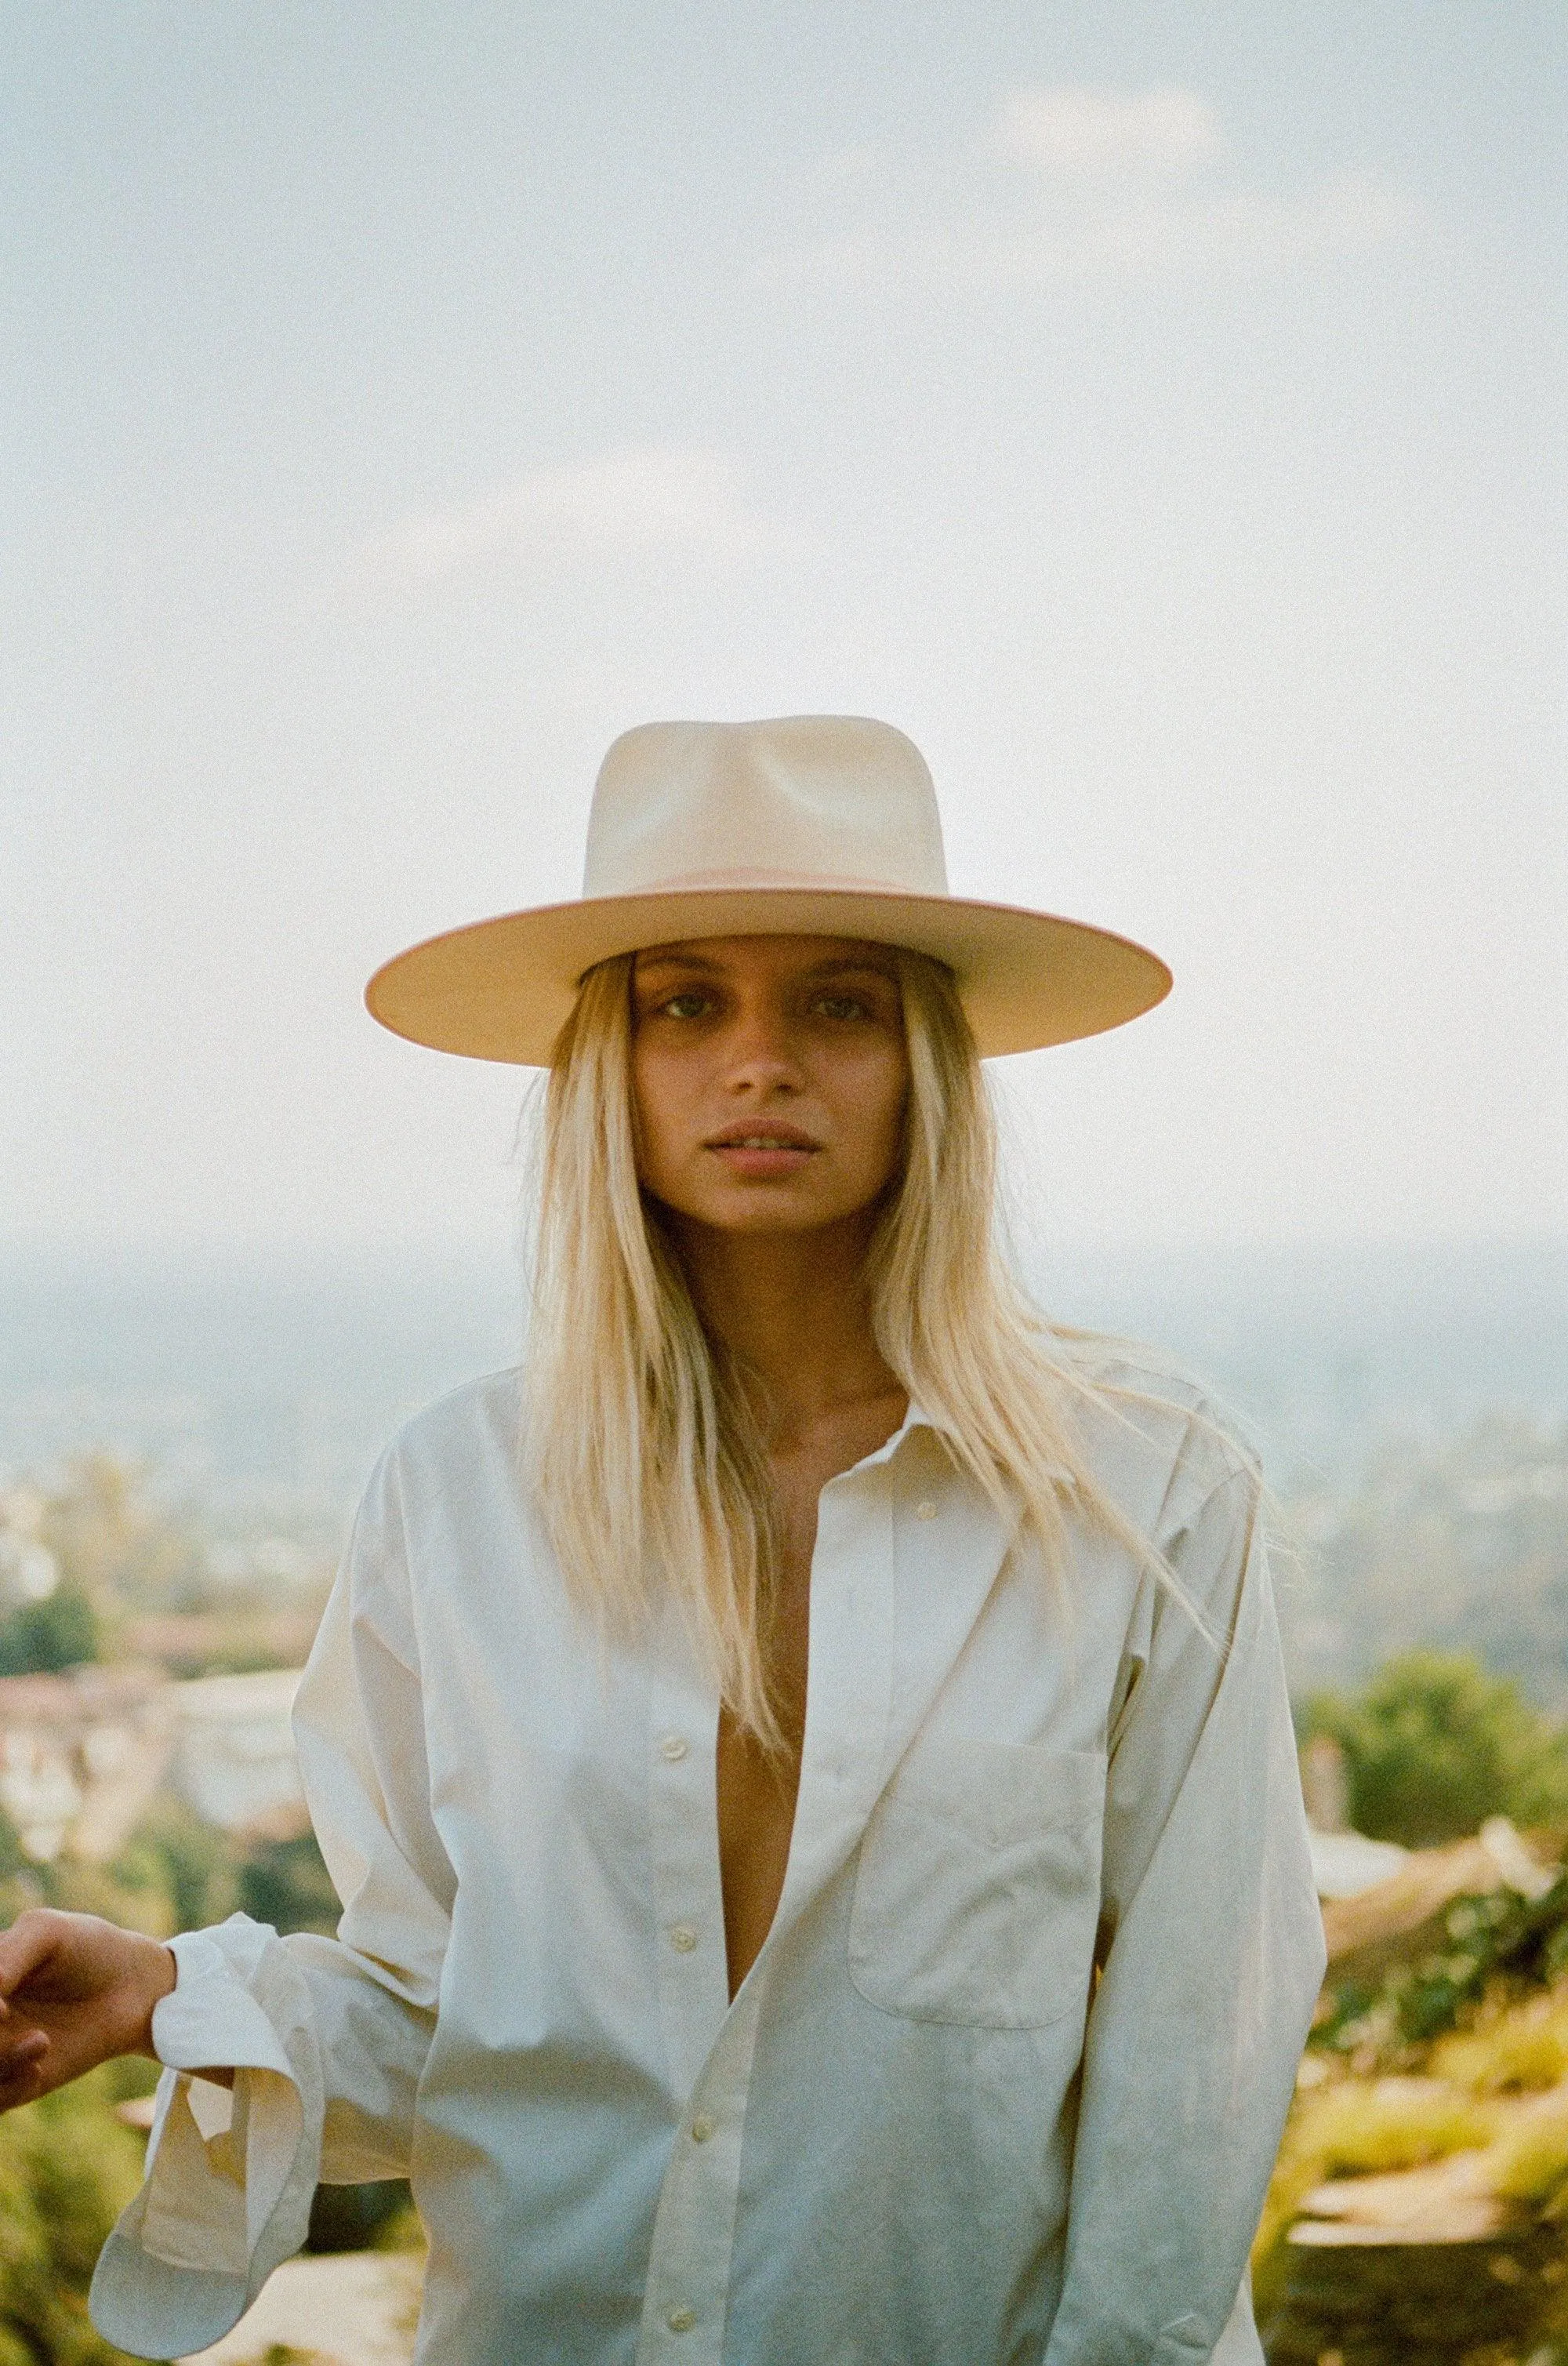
column 230, row 2176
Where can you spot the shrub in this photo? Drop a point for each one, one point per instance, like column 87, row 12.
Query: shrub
column 41, row 1638
column 67, row 2168
column 1521, row 2052
column 191, row 1867
column 1434, row 1745
column 1357, row 2127
column 287, row 1883
column 1530, row 2160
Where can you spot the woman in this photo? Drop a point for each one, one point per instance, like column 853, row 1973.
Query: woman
column 806, row 1761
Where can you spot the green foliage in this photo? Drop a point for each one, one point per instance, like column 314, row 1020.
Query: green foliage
column 41, row 1638
column 67, row 2168
column 378, row 2218
column 192, row 1869
column 1357, row 2127
column 1434, row 1745
column 287, row 1883
column 1483, row 1938
column 13, row 1856
column 1522, row 2052
column 177, row 1874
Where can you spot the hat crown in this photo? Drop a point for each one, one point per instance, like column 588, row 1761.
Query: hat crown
column 817, row 800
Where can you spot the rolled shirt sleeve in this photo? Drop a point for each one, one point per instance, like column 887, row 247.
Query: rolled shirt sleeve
column 1212, row 1960
column 327, row 2038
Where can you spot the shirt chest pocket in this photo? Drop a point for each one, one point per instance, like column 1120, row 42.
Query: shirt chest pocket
column 977, row 1896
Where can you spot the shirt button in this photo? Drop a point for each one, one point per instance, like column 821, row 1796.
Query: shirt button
column 673, row 1747
column 683, row 1938
column 926, row 1511
column 701, row 2128
column 681, row 2320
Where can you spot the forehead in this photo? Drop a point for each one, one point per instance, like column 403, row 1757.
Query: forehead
column 776, row 957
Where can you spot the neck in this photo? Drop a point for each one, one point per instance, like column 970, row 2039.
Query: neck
column 794, row 1308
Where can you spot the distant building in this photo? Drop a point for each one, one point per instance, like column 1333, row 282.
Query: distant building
column 83, row 1755
column 234, row 1762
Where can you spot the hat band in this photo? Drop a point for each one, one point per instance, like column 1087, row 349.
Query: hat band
column 747, row 881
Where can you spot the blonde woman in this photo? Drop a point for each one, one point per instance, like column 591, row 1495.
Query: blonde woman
column 805, row 1761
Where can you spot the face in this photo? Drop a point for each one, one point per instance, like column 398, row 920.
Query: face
column 770, row 1076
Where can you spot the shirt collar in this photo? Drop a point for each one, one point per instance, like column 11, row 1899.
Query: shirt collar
column 914, row 1418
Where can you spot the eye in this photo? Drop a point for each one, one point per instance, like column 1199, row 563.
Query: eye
column 841, row 1005
column 690, row 1005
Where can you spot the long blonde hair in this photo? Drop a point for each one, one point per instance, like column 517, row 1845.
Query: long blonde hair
column 644, row 1444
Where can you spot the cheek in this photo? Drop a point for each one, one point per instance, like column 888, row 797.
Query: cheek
column 672, row 1100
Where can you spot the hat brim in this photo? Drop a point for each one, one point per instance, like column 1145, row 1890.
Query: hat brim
column 501, row 989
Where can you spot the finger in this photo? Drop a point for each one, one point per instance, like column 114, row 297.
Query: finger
column 22, row 2083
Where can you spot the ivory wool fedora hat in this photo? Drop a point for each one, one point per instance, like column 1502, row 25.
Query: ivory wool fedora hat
column 814, row 825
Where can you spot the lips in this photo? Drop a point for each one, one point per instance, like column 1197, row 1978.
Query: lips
column 762, row 1137
column 761, row 1153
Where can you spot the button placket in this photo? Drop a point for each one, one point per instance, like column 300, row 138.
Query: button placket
column 682, row 1736
column 851, row 1635
column 689, row 2263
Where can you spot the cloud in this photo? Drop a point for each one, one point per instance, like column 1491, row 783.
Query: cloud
column 638, row 499
column 1072, row 184
column 1071, row 129
column 1233, row 232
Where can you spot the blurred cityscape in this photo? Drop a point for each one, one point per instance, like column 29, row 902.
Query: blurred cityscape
column 180, row 1450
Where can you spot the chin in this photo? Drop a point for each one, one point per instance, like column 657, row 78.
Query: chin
column 778, row 1219
column 773, row 1219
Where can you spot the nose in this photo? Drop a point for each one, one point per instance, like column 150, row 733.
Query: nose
column 761, row 1057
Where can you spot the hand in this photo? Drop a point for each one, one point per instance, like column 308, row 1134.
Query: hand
column 75, row 1992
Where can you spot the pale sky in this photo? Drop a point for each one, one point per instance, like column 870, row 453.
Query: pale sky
column 1158, row 411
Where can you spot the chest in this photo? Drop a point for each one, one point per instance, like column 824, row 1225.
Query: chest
column 756, row 1788
column 902, row 1615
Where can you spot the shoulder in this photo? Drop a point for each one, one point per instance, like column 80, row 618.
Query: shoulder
column 1152, row 1436
column 445, row 1497
column 480, row 1414
column 463, row 1442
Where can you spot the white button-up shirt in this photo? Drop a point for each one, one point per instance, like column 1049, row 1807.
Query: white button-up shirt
column 1006, row 2079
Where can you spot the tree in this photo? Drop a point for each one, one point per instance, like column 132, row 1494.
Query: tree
column 1434, row 1745
column 41, row 1638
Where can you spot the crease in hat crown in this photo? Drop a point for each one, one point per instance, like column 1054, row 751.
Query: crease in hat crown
column 805, row 801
